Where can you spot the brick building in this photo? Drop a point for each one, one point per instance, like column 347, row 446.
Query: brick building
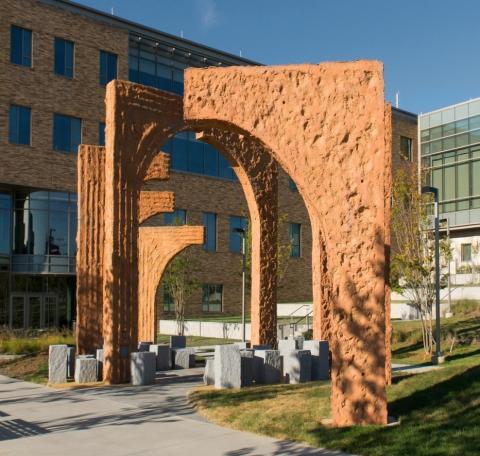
column 56, row 58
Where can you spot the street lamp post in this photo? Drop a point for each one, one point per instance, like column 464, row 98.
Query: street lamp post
column 241, row 233
column 437, row 358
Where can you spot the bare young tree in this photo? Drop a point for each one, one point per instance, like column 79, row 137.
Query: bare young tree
column 413, row 253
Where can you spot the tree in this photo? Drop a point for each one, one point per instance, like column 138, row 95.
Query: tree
column 179, row 282
column 413, row 250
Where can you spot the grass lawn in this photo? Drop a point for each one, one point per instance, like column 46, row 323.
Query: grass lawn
column 439, row 410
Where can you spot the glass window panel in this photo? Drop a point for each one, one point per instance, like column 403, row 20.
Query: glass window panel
column 101, row 134
column 425, row 149
column 474, row 136
column 5, row 222
column 195, row 157
column 461, row 126
column 425, row 135
column 461, row 111
column 72, row 233
column 462, row 140
column 294, row 234
column 449, row 157
column 436, row 132
column 437, row 181
column 21, row 46
column 448, row 115
column 210, row 160
column 224, row 169
column 108, row 67
column 38, row 232
column 476, row 178
column 448, row 129
column 466, row 252
column 436, row 146
column 176, row 218
column 474, row 122
column 67, row 134
column 424, row 121
column 58, row 233
column 210, row 224
column 180, row 154
column 449, row 183
column 448, row 143
column 475, row 203
column 19, row 120
column 474, row 108
column 435, row 119
column 475, row 151
column 463, row 180
column 212, row 298
column 63, row 57
column 406, row 148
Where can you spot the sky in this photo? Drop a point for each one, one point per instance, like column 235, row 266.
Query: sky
column 430, row 48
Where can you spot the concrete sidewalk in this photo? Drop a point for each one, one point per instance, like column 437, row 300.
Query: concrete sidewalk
column 150, row 420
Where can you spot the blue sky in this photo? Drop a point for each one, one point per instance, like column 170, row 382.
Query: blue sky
column 430, row 48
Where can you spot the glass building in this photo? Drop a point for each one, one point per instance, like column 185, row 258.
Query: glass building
column 449, row 141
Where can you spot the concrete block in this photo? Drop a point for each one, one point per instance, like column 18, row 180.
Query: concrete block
column 300, row 341
column 297, row 366
column 320, row 358
column 70, row 361
column 227, row 367
column 183, row 358
column 99, row 358
column 287, row 345
column 142, row 368
column 57, row 363
column 178, row 341
column 267, row 366
column 246, row 366
column 209, row 375
column 242, row 345
column 144, row 346
column 164, row 356
column 85, row 370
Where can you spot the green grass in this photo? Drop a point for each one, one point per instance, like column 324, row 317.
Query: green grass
column 197, row 341
column 27, row 342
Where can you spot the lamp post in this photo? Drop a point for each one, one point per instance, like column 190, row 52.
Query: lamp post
column 447, row 220
column 241, row 233
column 437, row 358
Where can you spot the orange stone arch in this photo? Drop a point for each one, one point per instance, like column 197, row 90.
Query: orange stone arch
column 327, row 126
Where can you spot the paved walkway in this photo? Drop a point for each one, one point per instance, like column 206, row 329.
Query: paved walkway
column 414, row 368
column 150, row 420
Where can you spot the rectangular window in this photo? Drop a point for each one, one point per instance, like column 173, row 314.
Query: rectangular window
column 176, row 218
column 406, row 148
column 101, row 134
column 19, row 125
column 108, row 67
column 21, row 46
column 210, row 224
column 5, row 223
column 237, row 222
column 64, row 52
column 466, row 252
column 294, row 230
column 212, row 298
column 168, row 305
column 67, row 133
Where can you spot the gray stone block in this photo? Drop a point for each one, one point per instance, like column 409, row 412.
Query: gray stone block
column 178, row 341
column 209, row 375
column 267, row 366
column 242, row 345
column 164, row 356
column 85, row 370
column 297, row 366
column 320, row 358
column 287, row 345
column 71, row 361
column 57, row 363
column 142, row 368
column 144, row 346
column 262, row 347
column 246, row 366
column 99, row 357
column 183, row 358
column 300, row 341
column 227, row 367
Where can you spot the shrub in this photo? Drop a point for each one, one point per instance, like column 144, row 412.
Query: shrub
column 466, row 308
column 20, row 342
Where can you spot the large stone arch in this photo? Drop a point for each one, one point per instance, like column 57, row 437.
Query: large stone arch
column 327, row 126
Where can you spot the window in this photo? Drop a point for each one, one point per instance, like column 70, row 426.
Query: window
column 291, row 185
column 67, row 133
column 210, row 224
column 21, row 46
column 5, row 223
column 294, row 234
column 236, row 238
column 175, row 218
column 168, row 305
column 101, row 134
column 406, row 148
column 212, row 298
column 19, row 125
column 64, row 51
column 466, row 252
column 108, row 67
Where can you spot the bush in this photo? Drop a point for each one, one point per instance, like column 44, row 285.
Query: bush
column 466, row 308
column 21, row 342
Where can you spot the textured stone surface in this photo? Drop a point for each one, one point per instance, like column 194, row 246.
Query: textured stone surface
column 242, row 345
column 227, row 367
column 297, row 366
column 267, row 366
column 320, row 358
column 327, row 126
column 287, row 345
column 164, row 356
column 183, row 358
column 152, row 203
column 85, row 369
column 209, row 374
column 71, row 361
column 246, row 366
column 142, row 367
column 178, row 341
column 57, row 363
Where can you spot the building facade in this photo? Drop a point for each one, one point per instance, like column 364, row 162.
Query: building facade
column 56, row 58
column 449, row 140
